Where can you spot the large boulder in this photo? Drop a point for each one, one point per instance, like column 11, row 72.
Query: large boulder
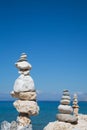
column 57, row 125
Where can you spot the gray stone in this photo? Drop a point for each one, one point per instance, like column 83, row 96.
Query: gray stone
column 65, row 102
column 13, row 125
column 66, row 93
column 5, row 125
column 65, row 109
column 66, row 97
column 67, row 118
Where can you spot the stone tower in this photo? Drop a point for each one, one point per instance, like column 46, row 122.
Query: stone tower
column 65, row 110
column 75, row 105
column 24, row 90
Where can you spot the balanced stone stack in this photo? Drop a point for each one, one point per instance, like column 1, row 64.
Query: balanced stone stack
column 24, row 90
column 75, row 105
column 65, row 110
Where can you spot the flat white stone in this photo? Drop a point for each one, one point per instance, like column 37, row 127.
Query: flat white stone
column 24, row 83
column 67, row 118
column 66, row 93
column 24, row 72
column 23, row 56
column 75, row 100
column 23, row 65
column 65, row 102
column 66, row 97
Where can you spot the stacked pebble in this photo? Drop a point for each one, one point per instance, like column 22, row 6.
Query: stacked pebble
column 24, row 90
column 65, row 109
column 75, row 105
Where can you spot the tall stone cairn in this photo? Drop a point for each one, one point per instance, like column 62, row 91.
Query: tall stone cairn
column 24, row 90
column 65, row 110
column 75, row 105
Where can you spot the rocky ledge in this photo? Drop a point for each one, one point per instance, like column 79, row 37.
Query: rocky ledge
column 57, row 125
column 14, row 126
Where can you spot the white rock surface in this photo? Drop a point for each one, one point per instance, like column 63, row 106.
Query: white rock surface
column 66, row 97
column 23, row 65
column 24, row 83
column 29, row 107
column 82, row 124
column 65, row 109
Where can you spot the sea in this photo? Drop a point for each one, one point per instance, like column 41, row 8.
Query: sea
column 48, row 111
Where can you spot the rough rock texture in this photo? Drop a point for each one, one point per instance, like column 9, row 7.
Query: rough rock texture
column 67, row 118
column 29, row 107
column 58, row 126
column 5, row 125
column 81, row 125
column 13, row 126
column 28, row 127
column 24, row 83
column 23, row 119
column 24, row 95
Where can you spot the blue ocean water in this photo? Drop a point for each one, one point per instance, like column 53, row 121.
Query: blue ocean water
column 48, row 111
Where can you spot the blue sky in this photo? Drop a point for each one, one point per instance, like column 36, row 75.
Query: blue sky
column 53, row 34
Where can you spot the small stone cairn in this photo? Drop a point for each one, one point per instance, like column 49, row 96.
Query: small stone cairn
column 25, row 91
column 75, row 105
column 65, row 110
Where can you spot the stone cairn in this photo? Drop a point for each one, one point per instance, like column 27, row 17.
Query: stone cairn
column 75, row 105
column 65, row 110
column 24, row 90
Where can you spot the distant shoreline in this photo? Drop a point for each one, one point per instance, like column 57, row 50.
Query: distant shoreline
column 37, row 101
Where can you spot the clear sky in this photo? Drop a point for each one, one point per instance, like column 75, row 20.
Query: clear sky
column 53, row 33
